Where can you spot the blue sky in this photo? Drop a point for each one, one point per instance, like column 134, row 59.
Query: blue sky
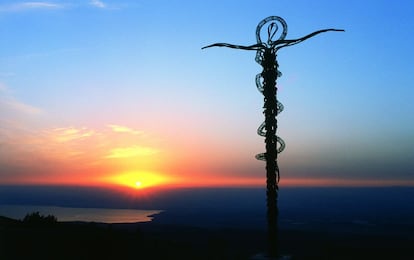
column 72, row 70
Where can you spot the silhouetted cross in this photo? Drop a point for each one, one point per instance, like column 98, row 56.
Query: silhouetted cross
column 266, row 84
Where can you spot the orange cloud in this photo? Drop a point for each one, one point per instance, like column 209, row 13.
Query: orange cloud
column 132, row 151
column 124, row 129
column 74, row 154
column 63, row 135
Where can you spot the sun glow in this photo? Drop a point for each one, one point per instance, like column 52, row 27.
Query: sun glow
column 138, row 179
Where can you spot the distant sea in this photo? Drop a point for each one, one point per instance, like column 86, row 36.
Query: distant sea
column 80, row 214
column 374, row 210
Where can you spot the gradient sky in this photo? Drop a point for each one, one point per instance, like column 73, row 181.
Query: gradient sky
column 95, row 92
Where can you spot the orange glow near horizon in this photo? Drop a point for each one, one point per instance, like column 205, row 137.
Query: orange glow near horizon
column 222, row 182
column 142, row 180
column 137, row 179
column 129, row 158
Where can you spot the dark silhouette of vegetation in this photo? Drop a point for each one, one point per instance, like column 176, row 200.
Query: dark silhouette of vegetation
column 35, row 219
column 80, row 240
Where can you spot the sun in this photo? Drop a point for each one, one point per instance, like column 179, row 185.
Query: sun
column 137, row 179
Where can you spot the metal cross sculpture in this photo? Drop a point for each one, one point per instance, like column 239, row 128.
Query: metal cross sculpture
column 266, row 83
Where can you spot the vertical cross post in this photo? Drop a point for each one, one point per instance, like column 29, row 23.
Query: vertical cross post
column 269, row 75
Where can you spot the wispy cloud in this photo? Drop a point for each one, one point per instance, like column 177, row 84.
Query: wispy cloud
column 29, row 153
column 124, row 129
column 21, row 107
column 50, row 5
column 67, row 134
column 29, row 6
column 38, row 5
column 98, row 3
column 11, row 105
column 132, row 151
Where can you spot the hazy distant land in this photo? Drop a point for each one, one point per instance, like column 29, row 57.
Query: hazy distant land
column 327, row 223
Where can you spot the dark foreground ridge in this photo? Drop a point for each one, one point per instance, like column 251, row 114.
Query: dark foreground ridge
column 82, row 240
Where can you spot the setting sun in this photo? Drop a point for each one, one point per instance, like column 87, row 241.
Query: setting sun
column 137, row 179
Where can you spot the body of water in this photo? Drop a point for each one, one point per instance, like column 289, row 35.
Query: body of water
column 80, row 214
column 374, row 209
